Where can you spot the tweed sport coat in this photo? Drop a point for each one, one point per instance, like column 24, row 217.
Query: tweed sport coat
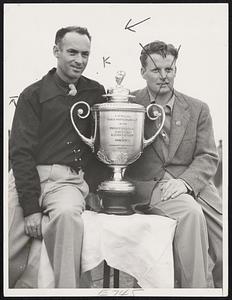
column 192, row 153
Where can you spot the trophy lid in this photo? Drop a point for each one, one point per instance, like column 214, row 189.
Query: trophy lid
column 119, row 77
column 119, row 93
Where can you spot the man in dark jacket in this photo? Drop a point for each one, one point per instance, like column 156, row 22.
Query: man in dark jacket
column 174, row 174
column 48, row 162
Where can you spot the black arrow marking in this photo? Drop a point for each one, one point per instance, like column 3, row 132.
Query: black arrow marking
column 13, row 100
column 105, row 61
column 129, row 27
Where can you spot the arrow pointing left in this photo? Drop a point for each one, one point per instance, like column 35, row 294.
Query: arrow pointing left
column 129, row 27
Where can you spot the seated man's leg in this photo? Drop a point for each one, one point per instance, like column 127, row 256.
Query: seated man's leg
column 19, row 245
column 190, row 241
column 63, row 201
column 214, row 224
column 19, row 242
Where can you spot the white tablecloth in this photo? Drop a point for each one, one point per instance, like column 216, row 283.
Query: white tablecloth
column 140, row 245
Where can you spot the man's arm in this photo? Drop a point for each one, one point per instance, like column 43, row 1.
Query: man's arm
column 205, row 157
column 204, row 163
column 23, row 146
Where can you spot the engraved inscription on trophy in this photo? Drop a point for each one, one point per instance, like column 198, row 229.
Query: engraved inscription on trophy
column 120, row 141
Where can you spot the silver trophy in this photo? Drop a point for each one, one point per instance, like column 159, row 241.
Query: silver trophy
column 117, row 140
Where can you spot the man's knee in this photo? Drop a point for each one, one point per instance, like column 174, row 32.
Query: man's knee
column 190, row 207
column 70, row 206
column 68, row 212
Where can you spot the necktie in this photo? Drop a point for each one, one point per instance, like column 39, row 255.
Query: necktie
column 164, row 134
column 73, row 90
column 166, row 128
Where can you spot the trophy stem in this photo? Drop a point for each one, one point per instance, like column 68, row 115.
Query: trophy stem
column 118, row 173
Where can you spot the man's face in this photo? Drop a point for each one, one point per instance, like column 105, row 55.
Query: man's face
column 72, row 55
column 159, row 76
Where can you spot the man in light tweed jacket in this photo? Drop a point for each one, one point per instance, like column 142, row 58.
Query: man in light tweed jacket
column 174, row 174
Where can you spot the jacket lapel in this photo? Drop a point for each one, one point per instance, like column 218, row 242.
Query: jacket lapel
column 180, row 119
column 150, row 127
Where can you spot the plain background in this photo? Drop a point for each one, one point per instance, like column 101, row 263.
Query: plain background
column 200, row 29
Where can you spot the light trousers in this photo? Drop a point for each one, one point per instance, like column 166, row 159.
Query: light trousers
column 198, row 233
column 63, row 193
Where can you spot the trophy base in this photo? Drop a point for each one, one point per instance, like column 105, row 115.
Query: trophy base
column 117, row 186
column 116, row 202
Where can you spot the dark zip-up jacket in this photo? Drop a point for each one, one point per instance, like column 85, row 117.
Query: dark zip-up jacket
column 42, row 132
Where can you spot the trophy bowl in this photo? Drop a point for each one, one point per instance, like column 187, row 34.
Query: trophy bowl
column 118, row 140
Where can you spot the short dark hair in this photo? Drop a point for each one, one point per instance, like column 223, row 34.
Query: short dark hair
column 157, row 47
column 61, row 32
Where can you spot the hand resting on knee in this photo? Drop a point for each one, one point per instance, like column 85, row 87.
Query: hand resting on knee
column 173, row 188
column 32, row 225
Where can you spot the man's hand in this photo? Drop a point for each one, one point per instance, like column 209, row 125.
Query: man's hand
column 173, row 188
column 32, row 225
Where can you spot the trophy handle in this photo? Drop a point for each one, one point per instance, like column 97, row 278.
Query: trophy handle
column 81, row 115
column 156, row 115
